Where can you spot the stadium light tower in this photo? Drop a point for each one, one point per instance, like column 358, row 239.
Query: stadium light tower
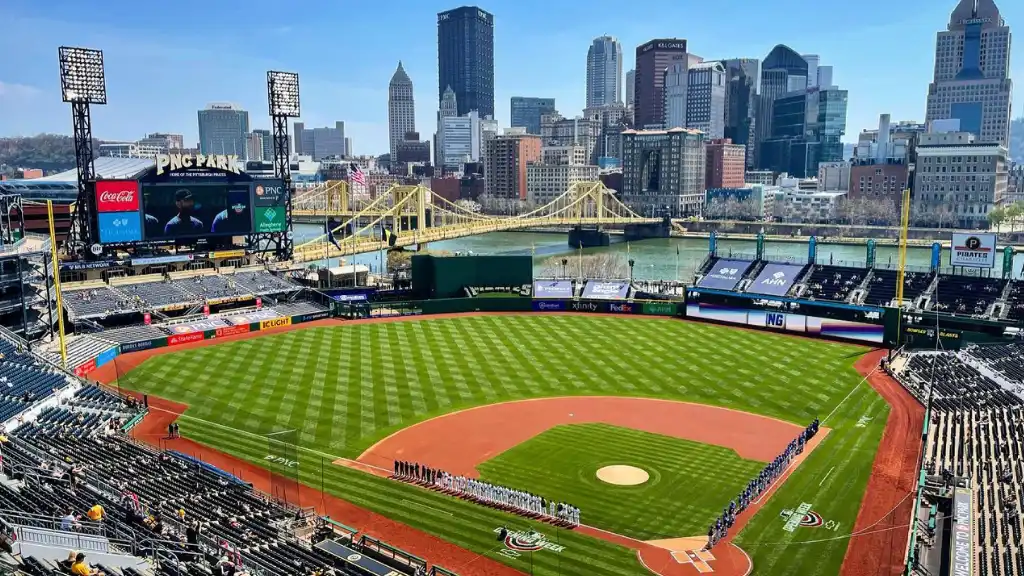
column 283, row 98
column 82, row 83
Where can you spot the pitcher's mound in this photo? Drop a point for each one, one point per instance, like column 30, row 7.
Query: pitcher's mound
column 622, row 475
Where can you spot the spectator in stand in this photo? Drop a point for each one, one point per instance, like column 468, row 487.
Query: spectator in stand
column 70, row 522
column 80, row 568
column 96, row 513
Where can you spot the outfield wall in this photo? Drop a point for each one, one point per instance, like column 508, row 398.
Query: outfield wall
column 172, row 340
column 788, row 322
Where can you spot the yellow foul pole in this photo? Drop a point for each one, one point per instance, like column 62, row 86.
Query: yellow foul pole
column 904, row 227
column 56, row 288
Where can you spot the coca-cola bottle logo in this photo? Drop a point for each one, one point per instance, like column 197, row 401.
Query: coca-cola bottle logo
column 122, row 196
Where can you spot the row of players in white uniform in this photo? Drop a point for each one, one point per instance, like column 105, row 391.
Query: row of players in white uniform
column 500, row 496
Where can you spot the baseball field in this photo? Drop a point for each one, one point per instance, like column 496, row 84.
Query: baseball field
column 467, row 394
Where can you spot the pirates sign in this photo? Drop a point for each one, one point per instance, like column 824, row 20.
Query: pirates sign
column 804, row 517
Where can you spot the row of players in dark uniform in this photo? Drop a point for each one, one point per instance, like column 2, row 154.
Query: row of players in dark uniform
column 517, row 501
column 774, row 469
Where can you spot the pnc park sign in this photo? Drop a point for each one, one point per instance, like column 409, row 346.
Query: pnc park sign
column 177, row 162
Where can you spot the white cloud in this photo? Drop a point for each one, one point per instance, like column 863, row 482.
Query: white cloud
column 17, row 91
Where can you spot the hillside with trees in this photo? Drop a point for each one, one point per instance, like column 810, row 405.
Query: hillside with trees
column 1017, row 140
column 50, row 152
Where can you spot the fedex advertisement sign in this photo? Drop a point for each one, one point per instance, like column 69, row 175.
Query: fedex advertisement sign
column 117, row 196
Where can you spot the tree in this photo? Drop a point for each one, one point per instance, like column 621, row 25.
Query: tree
column 398, row 259
column 600, row 265
column 468, row 205
column 996, row 217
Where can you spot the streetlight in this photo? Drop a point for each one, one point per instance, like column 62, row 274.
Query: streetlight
column 631, row 263
column 565, row 262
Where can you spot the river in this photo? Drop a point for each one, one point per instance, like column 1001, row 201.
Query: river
column 656, row 259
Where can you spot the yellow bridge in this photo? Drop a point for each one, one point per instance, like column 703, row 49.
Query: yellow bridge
column 415, row 215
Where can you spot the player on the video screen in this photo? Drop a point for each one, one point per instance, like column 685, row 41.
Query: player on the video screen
column 184, row 223
column 234, row 219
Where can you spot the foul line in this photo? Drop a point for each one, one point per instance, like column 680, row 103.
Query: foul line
column 826, row 476
column 841, row 402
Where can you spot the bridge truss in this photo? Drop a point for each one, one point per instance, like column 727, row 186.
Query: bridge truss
column 414, row 215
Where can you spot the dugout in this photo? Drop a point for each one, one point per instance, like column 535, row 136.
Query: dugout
column 447, row 276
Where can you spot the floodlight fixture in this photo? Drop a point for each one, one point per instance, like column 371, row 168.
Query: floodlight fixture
column 283, row 93
column 82, row 79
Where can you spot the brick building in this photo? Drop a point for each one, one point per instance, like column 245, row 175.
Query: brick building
column 725, row 164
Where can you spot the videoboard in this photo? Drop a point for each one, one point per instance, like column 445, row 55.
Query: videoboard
column 185, row 202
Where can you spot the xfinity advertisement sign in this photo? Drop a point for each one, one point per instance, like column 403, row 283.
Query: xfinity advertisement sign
column 725, row 274
column 775, row 279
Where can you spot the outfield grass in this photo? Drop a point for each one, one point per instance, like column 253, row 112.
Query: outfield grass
column 564, row 461
column 345, row 388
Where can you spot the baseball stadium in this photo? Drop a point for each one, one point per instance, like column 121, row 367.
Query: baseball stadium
column 209, row 367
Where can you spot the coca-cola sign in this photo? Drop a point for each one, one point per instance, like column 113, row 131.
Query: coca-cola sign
column 117, row 196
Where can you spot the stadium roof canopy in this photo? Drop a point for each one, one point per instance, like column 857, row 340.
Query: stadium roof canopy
column 41, row 190
column 106, row 168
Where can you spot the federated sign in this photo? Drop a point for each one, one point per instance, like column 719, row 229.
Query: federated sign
column 973, row 250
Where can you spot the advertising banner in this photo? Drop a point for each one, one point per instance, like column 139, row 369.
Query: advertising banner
column 143, row 345
column 550, row 305
column 845, row 329
column 191, row 210
column 775, row 279
column 232, row 330
column 117, row 196
column 725, row 274
column 936, row 256
column 153, row 260
column 85, row 368
column 606, row 290
column 961, row 551
column 106, row 356
column 118, row 227
column 270, row 219
column 227, row 254
column 176, row 339
column 147, row 318
column 659, row 308
column 973, row 250
column 552, row 289
column 588, row 306
column 198, row 326
column 251, row 317
column 276, row 323
column 717, row 313
column 624, row 308
column 311, row 317
column 269, row 193
column 206, row 309
column 766, row 319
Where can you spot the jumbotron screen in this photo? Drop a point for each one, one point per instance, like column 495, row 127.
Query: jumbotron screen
column 194, row 210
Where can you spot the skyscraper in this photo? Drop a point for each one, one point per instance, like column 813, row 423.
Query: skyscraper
column 465, row 58
column 630, row 87
column 741, row 103
column 223, row 129
column 807, row 129
column 526, row 112
column 972, row 66
column 401, row 109
column 449, row 108
column 652, row 60
column 705, row 99
column 268, row 143
column 604, row 72
column 782, row 71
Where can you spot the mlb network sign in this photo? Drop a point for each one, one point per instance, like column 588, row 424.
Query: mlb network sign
column 117, row 196
column 973, row 250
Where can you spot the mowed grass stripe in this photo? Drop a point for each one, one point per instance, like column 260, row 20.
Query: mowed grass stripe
column 376, row 372
column 690, row 483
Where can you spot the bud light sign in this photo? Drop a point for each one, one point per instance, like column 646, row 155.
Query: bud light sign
column 117, row 196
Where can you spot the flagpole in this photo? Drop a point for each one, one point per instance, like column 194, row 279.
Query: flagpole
column 677, row 263
column 581, row 261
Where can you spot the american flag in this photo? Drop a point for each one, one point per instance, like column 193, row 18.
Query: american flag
column 356, row 175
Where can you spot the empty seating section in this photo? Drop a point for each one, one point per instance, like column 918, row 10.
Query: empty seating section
column 882, row 287
column 976, row 432
column 833, row 282
column 82, row 349
column 100, row 300
column 966, row 294
column 1015, row 301
column 132, row 334
column 298, row 308
column 24, row 381
column 211, row 287
column 952, row 383
column 261, row 282
column 158, row 294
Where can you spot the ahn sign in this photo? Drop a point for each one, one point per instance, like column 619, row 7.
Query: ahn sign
column 117, row 196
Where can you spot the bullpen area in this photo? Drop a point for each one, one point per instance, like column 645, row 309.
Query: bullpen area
column 651, row 427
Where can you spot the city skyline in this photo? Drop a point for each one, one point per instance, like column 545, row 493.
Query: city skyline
column 145, row 96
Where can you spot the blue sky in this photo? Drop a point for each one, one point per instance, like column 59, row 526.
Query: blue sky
column 166, row 60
